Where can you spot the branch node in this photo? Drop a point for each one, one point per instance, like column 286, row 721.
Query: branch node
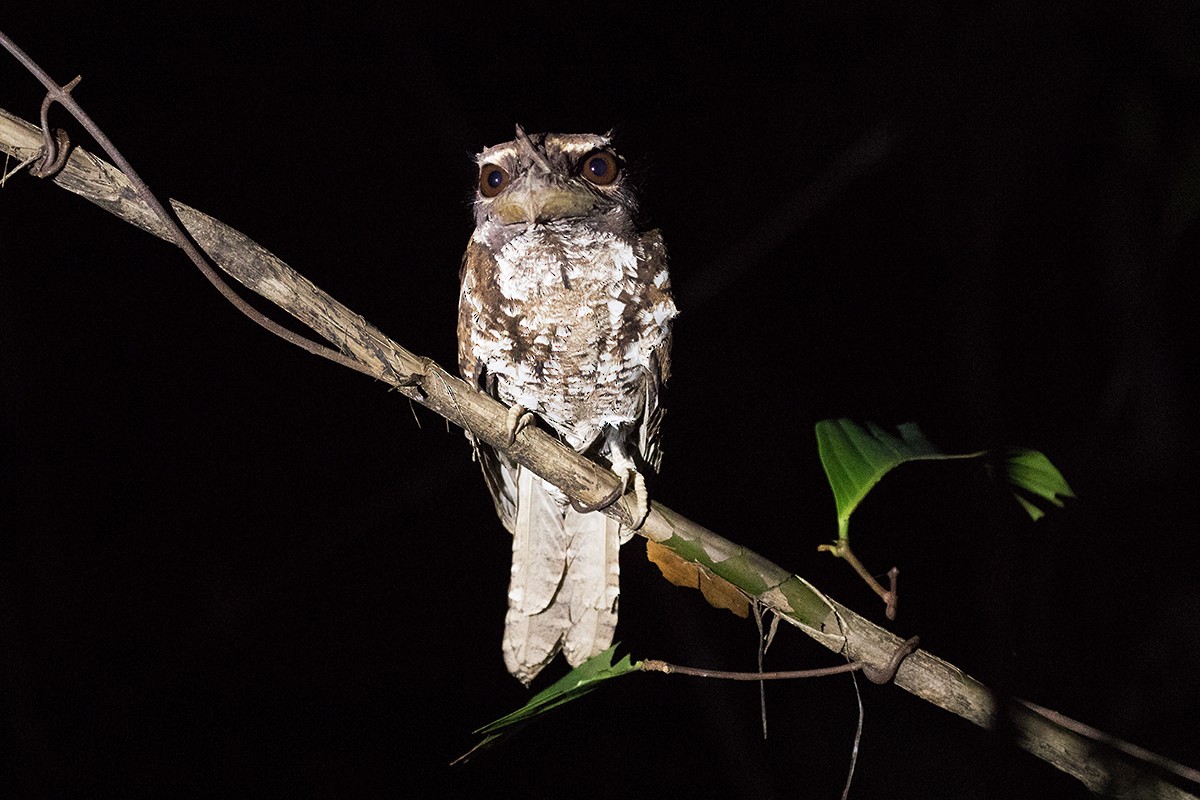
column 887, row 674
column 54, row 156
column 56, row 146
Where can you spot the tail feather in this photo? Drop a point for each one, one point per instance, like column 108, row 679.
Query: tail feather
column 591, row 584
column 540, row 542
column 564, row 586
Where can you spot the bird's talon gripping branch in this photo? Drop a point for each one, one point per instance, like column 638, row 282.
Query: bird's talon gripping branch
column 627, row 471
column 641, row 500
column 587, row 508
column 519, row 418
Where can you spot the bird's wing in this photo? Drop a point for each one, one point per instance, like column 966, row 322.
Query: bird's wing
column 653, row 269
column 499, row 471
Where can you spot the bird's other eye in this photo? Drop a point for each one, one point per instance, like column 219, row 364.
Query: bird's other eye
column 600, row 167
column 492, row 180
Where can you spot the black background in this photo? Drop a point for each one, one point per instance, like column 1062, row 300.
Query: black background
column 227, row 567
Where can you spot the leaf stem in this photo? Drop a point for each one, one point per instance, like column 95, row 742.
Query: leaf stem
column 841, row 549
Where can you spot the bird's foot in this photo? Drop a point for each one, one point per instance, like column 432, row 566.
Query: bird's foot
column 519, row 418
column 624, row 467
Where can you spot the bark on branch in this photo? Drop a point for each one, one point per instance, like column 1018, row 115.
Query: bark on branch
column 1069, row 746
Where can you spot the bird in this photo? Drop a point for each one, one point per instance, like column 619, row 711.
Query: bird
column 565, row 315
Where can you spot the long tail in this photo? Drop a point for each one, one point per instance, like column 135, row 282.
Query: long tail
column 565, row 576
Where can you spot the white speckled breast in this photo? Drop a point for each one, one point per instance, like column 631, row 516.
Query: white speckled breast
column 566, row 325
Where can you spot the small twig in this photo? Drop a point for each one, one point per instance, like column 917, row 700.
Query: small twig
column 893, row 595
column 55, row 146
column 4, row 178
column 874, row 674
column 762, row 651
column 61, row 95
column 858, row 729
column 653, row 665
column 841, row 549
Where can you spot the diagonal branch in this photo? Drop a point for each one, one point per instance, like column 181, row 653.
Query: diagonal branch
column 1062, row 742
column 54, row 153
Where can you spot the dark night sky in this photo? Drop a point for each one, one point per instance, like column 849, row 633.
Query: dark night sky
column 229, row 568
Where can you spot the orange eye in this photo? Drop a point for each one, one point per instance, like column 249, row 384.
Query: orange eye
column 492, row 180
column 600, row 167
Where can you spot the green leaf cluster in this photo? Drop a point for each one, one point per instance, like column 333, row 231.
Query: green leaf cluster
column 856, row 457
column 576, row 683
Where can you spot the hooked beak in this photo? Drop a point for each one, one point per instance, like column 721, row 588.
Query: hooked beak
column 543, row 204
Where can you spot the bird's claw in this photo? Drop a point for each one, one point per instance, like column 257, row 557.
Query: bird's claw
column 641, row 499
column 640, row 508
column 519, row 418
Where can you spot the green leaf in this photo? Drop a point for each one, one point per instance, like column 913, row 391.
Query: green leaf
column 1032, row 472
column 576, row 683
column 855, row 458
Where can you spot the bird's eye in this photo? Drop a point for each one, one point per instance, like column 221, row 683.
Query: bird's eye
column 492, row 180
column 600, row 167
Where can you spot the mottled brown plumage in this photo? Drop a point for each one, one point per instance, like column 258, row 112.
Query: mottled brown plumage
column 565, row 311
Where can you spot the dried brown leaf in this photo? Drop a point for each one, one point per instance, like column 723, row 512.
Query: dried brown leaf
column 719, row 592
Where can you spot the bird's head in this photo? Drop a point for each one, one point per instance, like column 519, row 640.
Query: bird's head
column 546, row 178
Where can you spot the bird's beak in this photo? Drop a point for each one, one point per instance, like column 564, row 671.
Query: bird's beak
column 543, row 204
